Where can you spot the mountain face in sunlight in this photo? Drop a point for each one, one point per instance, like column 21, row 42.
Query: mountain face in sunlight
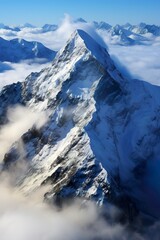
column 100, row 141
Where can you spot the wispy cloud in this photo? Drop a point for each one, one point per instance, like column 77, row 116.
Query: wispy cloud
column 23, row 218
column 140, row 61
column 54, row 39
column 28, row 217
column 17, row 125
column 17, row 72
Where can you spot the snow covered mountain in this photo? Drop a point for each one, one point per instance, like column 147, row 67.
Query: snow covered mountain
column 144, row 28
column 125, row 35
column 2, row 26
column 155, row 30
column 101, row 140
column 102, row 25
column 80, row 20
column 121, row 35
column 49, row 27
column 19, row 49
column 27, row 25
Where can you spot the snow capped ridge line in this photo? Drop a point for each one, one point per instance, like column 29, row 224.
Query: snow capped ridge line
column 90, row 43
column 19, row 49
column 80, row 48
column 97, row 126
column 85, row 43
column 66, row 89
column 90, row 40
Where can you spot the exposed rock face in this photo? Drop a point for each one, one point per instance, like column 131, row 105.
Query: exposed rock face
column 102, row 135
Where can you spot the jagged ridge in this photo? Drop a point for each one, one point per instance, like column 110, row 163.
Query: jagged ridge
column 102, row 128
column 16, row 50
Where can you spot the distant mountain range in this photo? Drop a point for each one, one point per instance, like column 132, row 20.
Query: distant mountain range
column 141, row 28
column 19, row 49
column 126, row 34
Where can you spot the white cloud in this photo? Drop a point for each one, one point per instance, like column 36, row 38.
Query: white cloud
column 54, row 39
column 8, row 34
column 23, row 218
column 28, row 217
column 142, row 62
column 19, row 71
column 18, row 124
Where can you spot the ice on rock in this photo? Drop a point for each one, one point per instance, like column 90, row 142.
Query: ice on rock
column 102, row 129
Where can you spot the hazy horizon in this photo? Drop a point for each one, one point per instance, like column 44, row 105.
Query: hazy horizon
column 49, row 11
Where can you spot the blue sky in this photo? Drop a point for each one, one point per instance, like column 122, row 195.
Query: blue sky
column 52, row 11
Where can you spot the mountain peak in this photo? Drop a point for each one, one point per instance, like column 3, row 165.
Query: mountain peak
column 89, row 42
column 88, row 39
column 84, row 42
column 80, row 20
column 27, row 25
column 142, row 24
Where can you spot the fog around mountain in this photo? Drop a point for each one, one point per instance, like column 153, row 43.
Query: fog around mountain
column 79, row 136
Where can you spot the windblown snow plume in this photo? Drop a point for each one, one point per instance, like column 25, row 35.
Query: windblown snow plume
column 68, row 26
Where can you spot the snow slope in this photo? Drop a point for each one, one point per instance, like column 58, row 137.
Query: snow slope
column 119, row 35
column 19, row 49
column 49, row 27
column 144, row 28
column 101, row 140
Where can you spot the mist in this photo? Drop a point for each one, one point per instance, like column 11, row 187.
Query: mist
column 25, row 215
column 24, row 218
column 54, row 39
column 17, row 72
column 138, row 62
column 17, row 125
column 29, row 217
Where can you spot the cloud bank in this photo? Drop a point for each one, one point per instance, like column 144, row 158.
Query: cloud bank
column 14, row 72
column 24, row 217
column 17, row 72
column 53, row 39
column 139, row 62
